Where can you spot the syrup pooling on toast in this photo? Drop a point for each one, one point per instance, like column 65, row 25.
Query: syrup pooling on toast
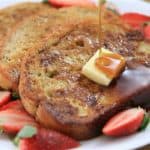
column 111, row 64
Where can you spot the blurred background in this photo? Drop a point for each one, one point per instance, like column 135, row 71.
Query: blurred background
column 124, row 5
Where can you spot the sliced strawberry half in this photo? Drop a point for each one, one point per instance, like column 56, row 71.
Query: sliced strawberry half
column 61, row 3
column 17, row 105
column 135, row 20
column 48, row 140
column 11, row 120
column 124, row 123
column 4, row 97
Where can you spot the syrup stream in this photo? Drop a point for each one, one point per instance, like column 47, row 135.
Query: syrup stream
column 100, row 23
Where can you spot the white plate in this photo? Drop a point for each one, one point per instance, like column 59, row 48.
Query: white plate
column 101, row 143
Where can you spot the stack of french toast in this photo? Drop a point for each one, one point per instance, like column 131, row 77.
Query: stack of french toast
column 42, row 52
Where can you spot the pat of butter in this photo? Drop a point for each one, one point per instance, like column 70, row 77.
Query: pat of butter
column 91, row 71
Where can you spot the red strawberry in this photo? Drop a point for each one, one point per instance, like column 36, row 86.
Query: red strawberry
column 4, row 97
column 136, row 20
column 11, row 120
column 124, row 123
column 17, row 105
column 61, row 3
column 147, row 32
column 47, row 140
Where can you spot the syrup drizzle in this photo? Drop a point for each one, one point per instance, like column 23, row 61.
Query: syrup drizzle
column 100, row 23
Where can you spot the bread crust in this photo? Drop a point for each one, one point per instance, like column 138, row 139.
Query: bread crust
column 55, row 92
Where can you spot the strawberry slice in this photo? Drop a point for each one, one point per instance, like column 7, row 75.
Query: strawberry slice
column 135, row 20
column 147, row 32
column 11, row 120
column 62, row 3
column 4, row 97
column 124, row 123
column 17, row 105
column 47, row 140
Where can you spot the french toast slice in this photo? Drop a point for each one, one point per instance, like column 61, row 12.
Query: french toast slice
column 54, row 91
column 28, row 34
column 12, row 15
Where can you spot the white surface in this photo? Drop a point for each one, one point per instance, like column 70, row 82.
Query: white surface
column 101, row 143
column 132, row 6
column 124, row 5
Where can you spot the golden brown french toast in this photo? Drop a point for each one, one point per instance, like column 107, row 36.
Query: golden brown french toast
column 55, row 92
column 12, row 15
column 28, row 34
